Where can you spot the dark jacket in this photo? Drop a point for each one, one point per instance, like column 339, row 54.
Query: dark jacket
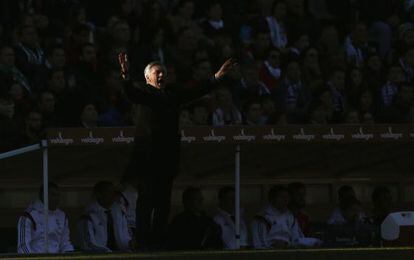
column 158, row 154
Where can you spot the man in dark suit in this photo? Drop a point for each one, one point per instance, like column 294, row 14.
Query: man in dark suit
column 156, row 158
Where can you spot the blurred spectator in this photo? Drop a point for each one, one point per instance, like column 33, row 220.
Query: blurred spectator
column 104, row 226
column 8, row 70
column 193, row 229
column 185, row 118
column 382, row 200
column 297, row 204
column 356, row 45
column 374, row 73
column 276, row 25
column 336, row 85
column 202, row 71
column 128, row 198
column 213, row 23
column 253, row 114
column 293, row 96
column 200, row 114
column 33, row 130
column 300, row 43
column 250, row 84
column 113, row 105
column 344, row 193
column 89, row 116
column 352, row 231
column 312, row 71
column 9, row 129
column 30, row 56
column 225, row 218
column 270, row 71
column 352, row 117
column 46, row 104
column 269, row 111
column 389, row 91
column 31, row 226
column 226, row 112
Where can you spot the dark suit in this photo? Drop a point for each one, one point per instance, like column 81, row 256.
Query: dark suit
column 156, row 157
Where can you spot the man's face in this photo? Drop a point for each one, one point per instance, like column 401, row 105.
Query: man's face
column 54, row 198
column 224, row 98
column 122, row 32
column 16, row 91
column 58, row 58
column 156, row 77
column 47, row 102
column 274, row 58
column 34, row 122
column 375, row 63
column 6, row 107
column 280, row 10
column 7, row 57
column 57, row 82
column 338, row 80
column 215, row 12
column 255, row 113
column 281, row 201
column 29, row 36
column 360, row 34
column 200, row 115
column 89, row 114
column 298, row 197
column 196, row 202
column 263, row 41
column 203, row 71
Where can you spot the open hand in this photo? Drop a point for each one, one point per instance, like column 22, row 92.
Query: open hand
column 123, row 63
column 225, row 68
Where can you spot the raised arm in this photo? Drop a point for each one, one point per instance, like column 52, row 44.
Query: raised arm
column 134, row 92
column 207, row 86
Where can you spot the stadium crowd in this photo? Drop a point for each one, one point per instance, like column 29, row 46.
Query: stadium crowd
column 300, row 61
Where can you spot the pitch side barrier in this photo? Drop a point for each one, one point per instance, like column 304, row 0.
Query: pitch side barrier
column 232, row 135
column 239, row 135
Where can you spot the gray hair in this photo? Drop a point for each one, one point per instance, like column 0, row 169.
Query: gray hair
column 148, row 68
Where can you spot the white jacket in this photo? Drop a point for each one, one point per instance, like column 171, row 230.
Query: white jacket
column 337, row 218
column 271, row 225
column 92, row 228
column 128, row 203
column 228, row 230
column 31, row 231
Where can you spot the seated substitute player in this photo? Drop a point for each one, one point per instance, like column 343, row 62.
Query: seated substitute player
column 276, row 227
column 192, row 229
column 104, row 226
column 31, row 226
column 225, row 218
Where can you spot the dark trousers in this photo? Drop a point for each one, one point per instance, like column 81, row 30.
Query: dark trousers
column 153, row 210
column 156, row 167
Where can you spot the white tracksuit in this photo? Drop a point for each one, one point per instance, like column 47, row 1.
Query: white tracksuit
column 31, row 231
column 92, row 228
column 228, row 230
column 128, row 202
column 271, row 225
